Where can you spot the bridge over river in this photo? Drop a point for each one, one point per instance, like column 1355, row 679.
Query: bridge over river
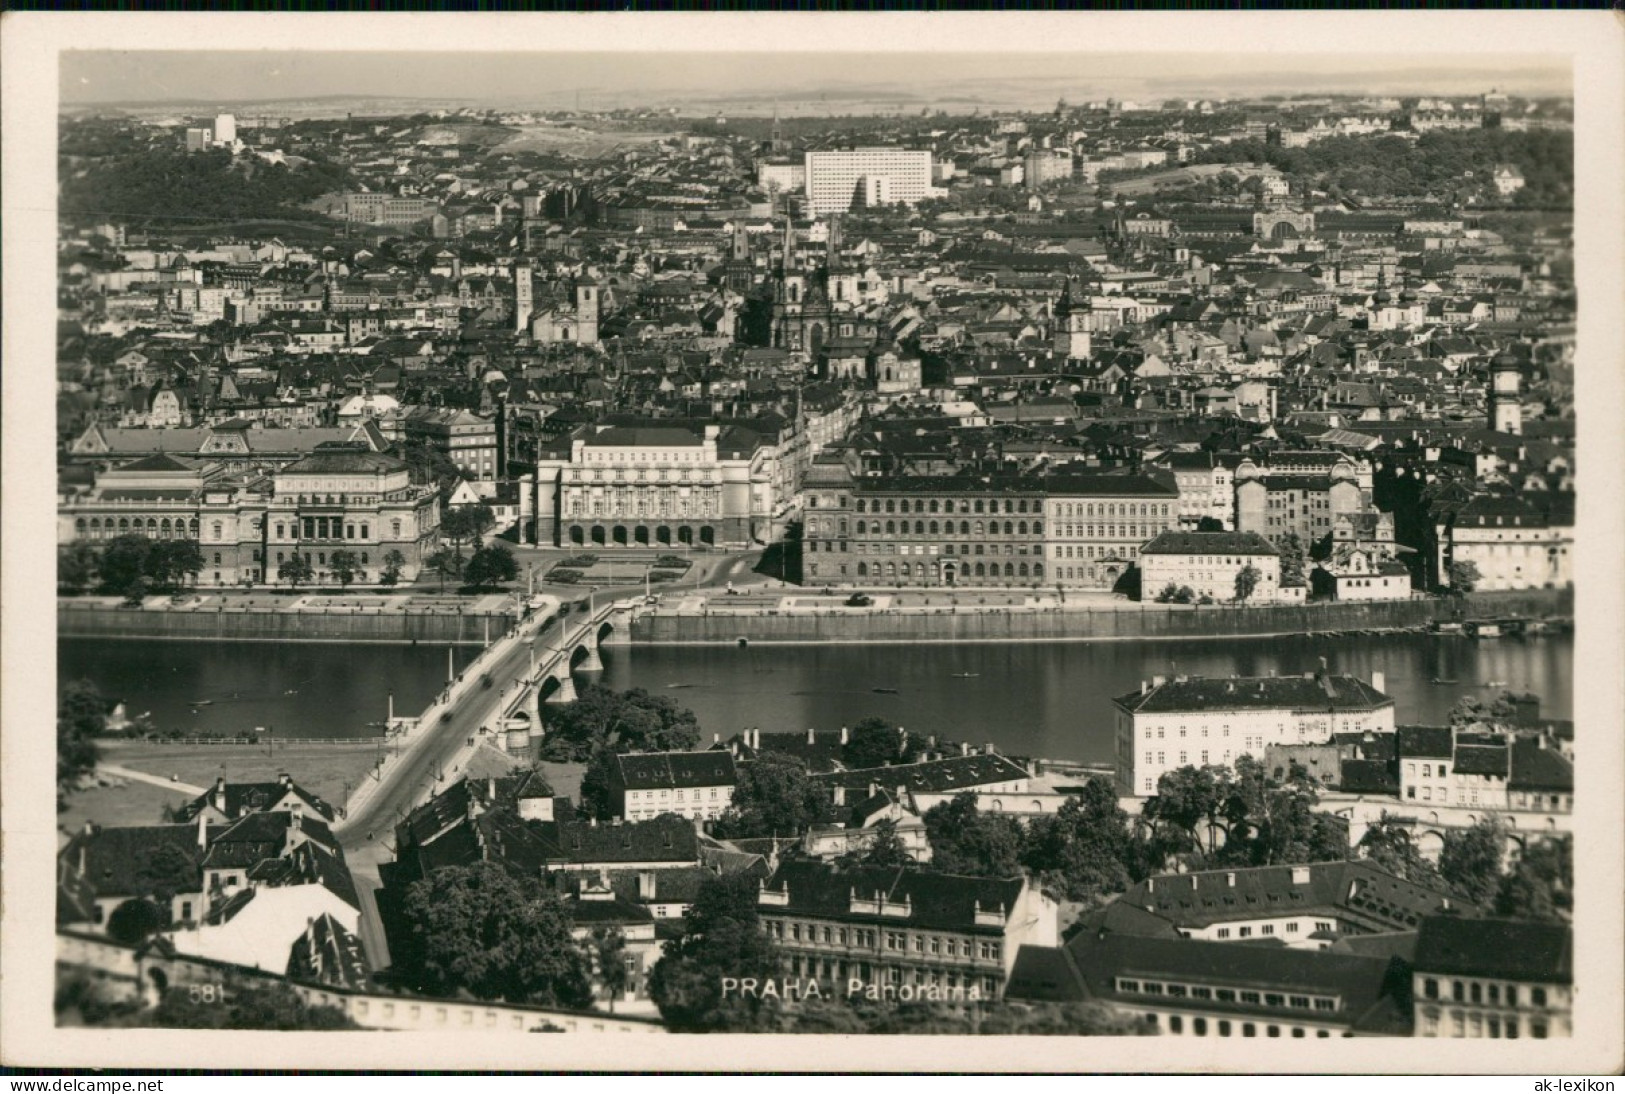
column 502, row 691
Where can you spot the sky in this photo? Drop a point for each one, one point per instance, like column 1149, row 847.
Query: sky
column 630, row 79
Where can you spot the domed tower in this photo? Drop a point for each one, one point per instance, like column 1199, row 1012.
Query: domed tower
column 1506, row 394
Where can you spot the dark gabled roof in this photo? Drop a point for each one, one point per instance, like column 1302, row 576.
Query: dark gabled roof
column 1424, row 742
column 666, row 838
column 590, row 912
column 1370, row 991
column 1354, row 891
column 1536, row 767
column 1209, row 543
column 241, row 798
column 329, row 954
column 309, row 864
column 931, row 776
column 643, row 436
column 1311, row 692
column 641, row 771
column 1367, row 777
column 161, row 461
column 1502, row 948
column 940, row 901
column 1481, row 760
column 113, row 861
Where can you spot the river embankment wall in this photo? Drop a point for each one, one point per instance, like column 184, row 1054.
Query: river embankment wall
column 1119, row 622
column 1059, row 624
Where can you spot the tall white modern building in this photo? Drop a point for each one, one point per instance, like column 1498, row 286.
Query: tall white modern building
column 837, row 181
column 225, row 128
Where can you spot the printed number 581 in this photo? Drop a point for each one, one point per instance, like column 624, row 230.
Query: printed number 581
column 207, row 993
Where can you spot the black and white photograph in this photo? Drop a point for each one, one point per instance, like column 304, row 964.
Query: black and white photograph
column 646, row 531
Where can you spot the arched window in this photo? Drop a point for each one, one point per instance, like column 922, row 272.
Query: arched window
column 964, row 527
column 978, row 505
column 1009, row 569
column 891, row 569
column 193, row 526
column 1009, row 528
column 1021, row 527
column 905, row 573
column 979, row 527
column 1022, row 570
column 919, row 527
column 980, row 570
column 1038, row 527
column 163, row 527
column 891, row 505
column 919, row 505
column 123, row 524
column 933, row 525
column 860, row 505
column 216, row 529
column 933, row 505
column 395, row 529
column 861, row 528
column 891, row 527
column 1038, row 569
column 863, row 569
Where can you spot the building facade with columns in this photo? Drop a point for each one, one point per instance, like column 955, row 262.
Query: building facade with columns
column 636, row 486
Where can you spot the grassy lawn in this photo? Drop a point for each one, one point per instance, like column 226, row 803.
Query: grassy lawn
column 321, row 769
column 133, row 803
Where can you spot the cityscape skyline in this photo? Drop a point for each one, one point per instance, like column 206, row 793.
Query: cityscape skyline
column 158, row 78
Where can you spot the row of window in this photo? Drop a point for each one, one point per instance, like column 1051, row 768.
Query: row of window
column 894, row 941
column 1267, row 929
column 649, row 795
column 1223, row 1027
column 905, row 571
column 1175, row 990
column 964, row 528
column 1480, row 992
column 1473, row 1024
column 962, row 505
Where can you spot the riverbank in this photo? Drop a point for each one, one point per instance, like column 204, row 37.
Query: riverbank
column 714, row 624
column 805, row 618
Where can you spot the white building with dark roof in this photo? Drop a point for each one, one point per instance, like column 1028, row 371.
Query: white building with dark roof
column 696, row 785
column 1208, row 563
column 1195, row 721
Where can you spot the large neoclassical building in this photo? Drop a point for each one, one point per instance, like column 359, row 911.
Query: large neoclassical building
column 341, row 496
column 655, row 486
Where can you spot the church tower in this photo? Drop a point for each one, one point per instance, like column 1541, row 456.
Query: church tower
column 1506, row 395
column 740, row 272
column 586, row 311
column 522, row 301
column 1070, row 338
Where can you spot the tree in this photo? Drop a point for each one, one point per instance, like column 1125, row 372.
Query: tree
column 295, row 570
column 123, row 566
column 1246, row 581
column 463, row 523
column 1464, row 577
column 965, row 840
column 873, row 742
column 1470, row 860
column 172, row 563
column 81, row 716
column 774, row 797
column 1541, row 885
column 394, row 562
column 345, row 564
column 628, row 721
column 1388, row 846
column 76, row 566
column 1210, row 524
column 883, row 848
column 490, row 565
column 1294, row 556
column 597, row 785
column 442, row 562
column 1084, row 852
column 135, row 921
column 722, row 938
column 482, row 930
column 1188, row 799
column 609, row 954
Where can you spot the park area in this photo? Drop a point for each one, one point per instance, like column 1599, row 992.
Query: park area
column 594, row 570
column 110, row 798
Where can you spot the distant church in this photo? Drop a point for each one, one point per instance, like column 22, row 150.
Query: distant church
column 559, row 323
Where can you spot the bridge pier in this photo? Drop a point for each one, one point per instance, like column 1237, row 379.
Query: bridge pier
column 566, row 692
column 592, row 662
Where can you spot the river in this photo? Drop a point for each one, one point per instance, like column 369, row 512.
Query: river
column 1038, row 698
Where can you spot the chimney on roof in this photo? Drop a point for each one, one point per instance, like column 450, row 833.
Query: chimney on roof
column 990, row 749
column 1379, row 681
column 490, row 789
column 202, row 830
column 1158, row 681
column 284, row 780
column 1145, row 686
column 843, row 735
column 220, row 794
column 902, row 793
column 756, row 739
column 964, row 748
column 812, row 736
column 716, row 738
column 1150, row 884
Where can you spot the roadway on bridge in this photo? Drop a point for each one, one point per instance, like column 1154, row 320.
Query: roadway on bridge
column 406, row 785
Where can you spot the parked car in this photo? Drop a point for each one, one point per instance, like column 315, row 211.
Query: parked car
column 859, row 600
